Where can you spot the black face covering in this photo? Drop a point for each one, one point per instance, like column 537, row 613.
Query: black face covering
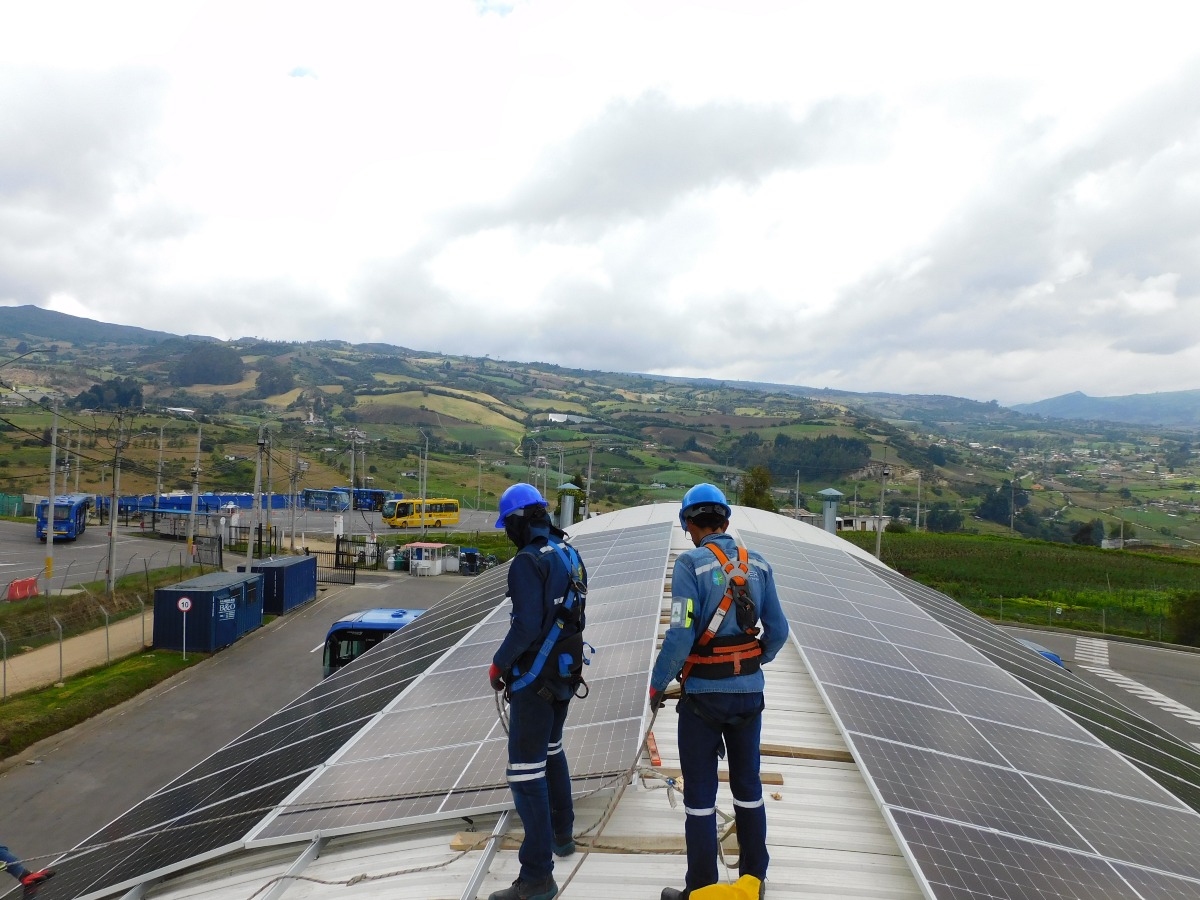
column 517, row 529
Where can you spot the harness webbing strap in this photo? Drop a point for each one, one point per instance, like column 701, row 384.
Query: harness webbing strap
column 729, row 652
column 556, row 627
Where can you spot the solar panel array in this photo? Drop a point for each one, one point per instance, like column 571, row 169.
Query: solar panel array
column 1171, row 762
column 991, row 791
column 440, row 749
column 349, row 755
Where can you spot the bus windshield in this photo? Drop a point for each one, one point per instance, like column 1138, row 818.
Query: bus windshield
column 353, row 635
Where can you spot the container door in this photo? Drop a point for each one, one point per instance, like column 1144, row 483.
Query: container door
column 225, row 626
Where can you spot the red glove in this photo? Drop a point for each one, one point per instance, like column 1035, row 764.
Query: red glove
column 656, row 700
column 496, row 677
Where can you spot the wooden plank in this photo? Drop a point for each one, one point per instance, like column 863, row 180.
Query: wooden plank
column 607, row 843
column 722, row 775
column 789, row 752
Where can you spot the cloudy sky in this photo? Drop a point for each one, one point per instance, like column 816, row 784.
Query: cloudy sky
column 994, row 201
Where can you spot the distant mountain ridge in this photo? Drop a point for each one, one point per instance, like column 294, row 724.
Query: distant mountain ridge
column 32, row 323
column 1173, row 408
column 1180, row 409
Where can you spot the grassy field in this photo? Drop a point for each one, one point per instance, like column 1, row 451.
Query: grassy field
column 1039, row 582
column 31, row 622
column 32, row 716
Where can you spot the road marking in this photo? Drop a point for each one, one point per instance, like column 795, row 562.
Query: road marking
column 318, row 647
column 1149, row 694
column 1092, row 652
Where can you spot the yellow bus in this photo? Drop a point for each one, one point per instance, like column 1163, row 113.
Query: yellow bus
column 438, row 511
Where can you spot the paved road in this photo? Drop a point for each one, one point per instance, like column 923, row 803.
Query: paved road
column 22, row 555
column 1173, row 674
column 64, row 789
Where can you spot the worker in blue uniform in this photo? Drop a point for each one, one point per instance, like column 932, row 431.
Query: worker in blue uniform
column 720, row 596
column 539, row 666
column 30, row 880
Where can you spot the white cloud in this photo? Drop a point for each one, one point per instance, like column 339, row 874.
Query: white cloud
column 932, row 197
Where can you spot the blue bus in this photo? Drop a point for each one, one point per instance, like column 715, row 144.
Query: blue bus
column 369, row 498
column 325, row 501
column 353, row 635
column 70, row 516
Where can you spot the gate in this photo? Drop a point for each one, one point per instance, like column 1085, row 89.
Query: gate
column 335, row 567
column 208, row 551
column 361, row 548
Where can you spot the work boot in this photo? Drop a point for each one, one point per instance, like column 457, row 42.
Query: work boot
column 674, row 894
column 31, row 881
column 527, row 890
column 563, row 845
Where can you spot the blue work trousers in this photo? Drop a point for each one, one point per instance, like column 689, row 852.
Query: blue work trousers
column 539, row 777
column 706, row 722
column 11, row 863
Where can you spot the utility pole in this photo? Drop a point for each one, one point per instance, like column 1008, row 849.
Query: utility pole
column 1012, row 502
column 158, row 476
column 587, row 494
column 256, row 517
column 191, row 532
column 797, row 509
column 294, row 480
column 883, row 477
column 50, row 506
column 110, row 574
column 424, row 478
column 479, row 482
column 918, row 502
column 270, row 496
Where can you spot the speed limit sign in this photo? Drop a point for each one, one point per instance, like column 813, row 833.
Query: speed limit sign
column 184, row 604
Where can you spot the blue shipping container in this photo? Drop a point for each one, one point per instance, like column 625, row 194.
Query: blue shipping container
column 223, row 606
column 288, row 582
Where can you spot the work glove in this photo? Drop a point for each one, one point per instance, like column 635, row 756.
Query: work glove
column 657, row 698
column 496, row 677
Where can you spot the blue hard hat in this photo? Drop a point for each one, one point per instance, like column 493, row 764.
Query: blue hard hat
column 701, row 499
column 516, row 498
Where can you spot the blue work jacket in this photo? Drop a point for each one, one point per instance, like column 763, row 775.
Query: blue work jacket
column 537, row 580
column 699, row 578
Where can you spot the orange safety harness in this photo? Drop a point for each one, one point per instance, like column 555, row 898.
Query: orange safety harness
column 732, row 654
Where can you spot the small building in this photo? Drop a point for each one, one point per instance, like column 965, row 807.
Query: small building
column 288, row 582
column 427, row 558
column 207, row 613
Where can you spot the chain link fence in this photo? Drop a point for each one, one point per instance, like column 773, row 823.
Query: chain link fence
column 1104, row 620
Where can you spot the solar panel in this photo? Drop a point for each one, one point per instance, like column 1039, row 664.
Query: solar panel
column 993, row 791
column 390, row 775
column 1169, row 761
column 220, row 800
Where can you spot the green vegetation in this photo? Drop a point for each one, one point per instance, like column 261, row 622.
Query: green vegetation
column 1110, row 591
column 34, row 715
column 31, row 623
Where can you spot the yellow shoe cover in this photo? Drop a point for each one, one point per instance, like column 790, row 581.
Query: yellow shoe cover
column 745, row 888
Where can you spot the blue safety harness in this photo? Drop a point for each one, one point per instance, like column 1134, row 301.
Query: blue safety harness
column 564, row 638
